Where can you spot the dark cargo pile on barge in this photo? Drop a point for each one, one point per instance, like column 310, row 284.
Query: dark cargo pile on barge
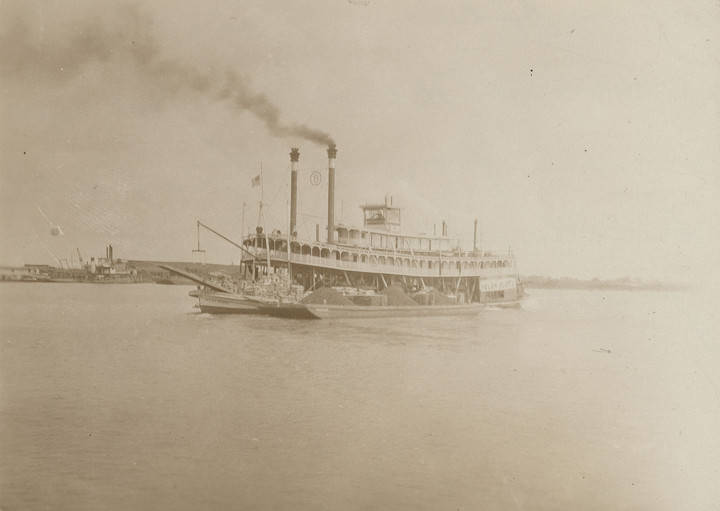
column 326, row 296
column 397, row 297
column 433, row 297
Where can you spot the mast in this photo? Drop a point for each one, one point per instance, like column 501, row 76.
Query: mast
column 260, row 204
column 199, row 251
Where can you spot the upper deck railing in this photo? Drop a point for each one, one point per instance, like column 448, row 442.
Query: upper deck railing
column 280, row 243
column 443, row 267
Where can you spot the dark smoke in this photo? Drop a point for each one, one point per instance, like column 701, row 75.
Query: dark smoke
column 57, row 61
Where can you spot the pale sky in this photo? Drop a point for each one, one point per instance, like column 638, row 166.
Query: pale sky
column 586, row 135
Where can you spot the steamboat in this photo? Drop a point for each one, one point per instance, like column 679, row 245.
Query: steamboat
column 367, row 266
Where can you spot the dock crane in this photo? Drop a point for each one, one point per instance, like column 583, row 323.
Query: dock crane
column 207, row 227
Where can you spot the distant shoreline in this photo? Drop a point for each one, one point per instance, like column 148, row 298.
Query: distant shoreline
column 626, row 284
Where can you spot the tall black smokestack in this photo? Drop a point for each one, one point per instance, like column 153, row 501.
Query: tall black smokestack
column 294, row 157
column 332, row 153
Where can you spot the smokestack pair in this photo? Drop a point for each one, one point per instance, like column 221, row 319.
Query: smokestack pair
column 294, row 158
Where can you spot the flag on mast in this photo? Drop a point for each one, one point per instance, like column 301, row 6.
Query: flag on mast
column 255, row 181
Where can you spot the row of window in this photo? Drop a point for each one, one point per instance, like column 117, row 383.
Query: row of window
column 391, row 242
column 323, row 252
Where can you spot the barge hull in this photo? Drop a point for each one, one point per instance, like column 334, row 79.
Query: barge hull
column 315, row 311
column 216, row 309
column 226, row 303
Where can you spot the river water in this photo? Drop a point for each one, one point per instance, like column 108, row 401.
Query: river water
column 125, row 397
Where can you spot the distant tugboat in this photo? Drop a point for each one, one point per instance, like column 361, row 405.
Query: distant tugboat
column 363, row 262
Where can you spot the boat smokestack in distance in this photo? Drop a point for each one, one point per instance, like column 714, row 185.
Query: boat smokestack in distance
column 294, row 157
column 332, row 153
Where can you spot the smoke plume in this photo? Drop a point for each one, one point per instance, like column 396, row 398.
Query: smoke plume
column 24, row 54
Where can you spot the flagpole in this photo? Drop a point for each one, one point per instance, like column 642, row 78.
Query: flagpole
column 242, row 231
column 260, row 205
column 242, row 240
column 288, row 244
column 259, row 219
column 264, row 226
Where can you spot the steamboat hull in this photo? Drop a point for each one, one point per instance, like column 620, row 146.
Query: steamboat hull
column 317, row 311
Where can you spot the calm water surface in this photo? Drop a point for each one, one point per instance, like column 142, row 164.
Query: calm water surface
column 124, row 397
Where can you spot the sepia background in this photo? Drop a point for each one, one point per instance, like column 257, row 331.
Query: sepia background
column 584, row 135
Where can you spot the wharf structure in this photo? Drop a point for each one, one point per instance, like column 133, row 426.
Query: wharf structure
column 379, row 254
column 97, row 270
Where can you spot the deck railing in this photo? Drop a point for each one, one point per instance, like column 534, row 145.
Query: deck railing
column 449, row 270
